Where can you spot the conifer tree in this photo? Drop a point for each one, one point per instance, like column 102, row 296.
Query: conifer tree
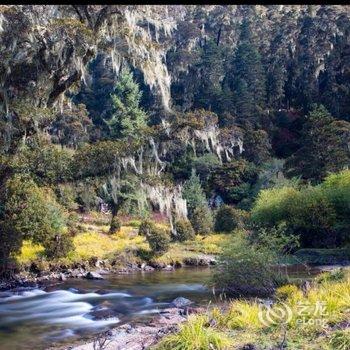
column 324, row 146
column 248, row 77
column 128, row 119
column 193, row 192
column 211, row 73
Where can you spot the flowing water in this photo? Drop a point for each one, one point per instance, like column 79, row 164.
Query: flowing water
column 35, row 318
column 62, row 313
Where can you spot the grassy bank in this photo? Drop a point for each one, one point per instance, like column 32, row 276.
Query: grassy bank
column 93, row 241
column 314, row 319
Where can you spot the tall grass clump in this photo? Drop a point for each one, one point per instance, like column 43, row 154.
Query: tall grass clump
column 196, row 334
column 340, row 340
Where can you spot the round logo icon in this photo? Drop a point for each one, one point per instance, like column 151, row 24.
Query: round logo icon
column 279, row 314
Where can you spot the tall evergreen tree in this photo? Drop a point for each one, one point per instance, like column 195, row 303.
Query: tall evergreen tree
column 193, row 193
column 248, row 77
column 275, row 85
column 128, row 119
column 324, row 146
column 211, row 73
column 335, row 80
column 306, row 87
column 95, row 94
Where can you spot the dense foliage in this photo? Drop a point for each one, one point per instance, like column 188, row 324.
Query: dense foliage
column 184, row 230
column 219, row 115
column 318, row 214
column 227, row 219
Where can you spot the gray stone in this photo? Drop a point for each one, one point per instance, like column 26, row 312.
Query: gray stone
column 168, row 268
column 181, row 302
column 62, row 277
column 91, row 275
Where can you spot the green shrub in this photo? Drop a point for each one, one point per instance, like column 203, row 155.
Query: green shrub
column 202, row 220
column 245, row 269
column 158, row 240
column 66, row 196
column 184, row 230
column 312, row 216
column 40, row 217
column 316, row 214
column 270, row 207
column 115, row 225
column 58, row 246
column 146, row 227
column 337, row 189
column 228, row 218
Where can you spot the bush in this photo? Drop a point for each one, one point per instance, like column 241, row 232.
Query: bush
column 271, row 205
column 58, row 246
column 158, row 240
column 115, row 225
column 317, row 214
column 146, row 227
column 40, row 217
column 202, row 220
column 66, row 196
column 244, row 269
column 337, row 189
column 228, row 218
column 184, row 230
column 312, row 216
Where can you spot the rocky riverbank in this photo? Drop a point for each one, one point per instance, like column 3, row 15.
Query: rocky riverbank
column 142, row 335
column 94, row 269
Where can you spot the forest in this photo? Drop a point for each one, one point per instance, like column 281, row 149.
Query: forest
column 173, row 135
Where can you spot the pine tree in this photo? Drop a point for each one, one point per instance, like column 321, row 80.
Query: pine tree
column 324, row 146
column 305, row 83
column 275, row 85
column 248, row 77
column 334, row 82
column 193, row 193
column 128, row 119
column 211, row 73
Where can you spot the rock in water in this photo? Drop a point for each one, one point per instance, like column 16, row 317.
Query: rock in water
column 93, row 276
column 181, row 302
column 62, row 277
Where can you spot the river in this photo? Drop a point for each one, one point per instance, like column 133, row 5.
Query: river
column 74, row 309
column 61, row 313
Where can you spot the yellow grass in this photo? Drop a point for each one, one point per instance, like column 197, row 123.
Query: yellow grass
column 29, row 252
column 241, row 321
column 94, row 241
column 94, row 244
